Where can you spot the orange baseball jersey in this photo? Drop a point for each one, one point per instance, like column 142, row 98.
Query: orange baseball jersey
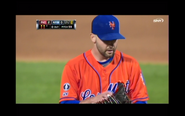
column 84, row 77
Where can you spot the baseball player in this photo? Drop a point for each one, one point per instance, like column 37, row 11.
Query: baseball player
column 93, row 75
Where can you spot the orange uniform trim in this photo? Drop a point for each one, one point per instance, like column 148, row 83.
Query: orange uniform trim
column 67, row 98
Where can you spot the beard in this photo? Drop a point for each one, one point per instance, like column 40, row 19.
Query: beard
column 108, row 52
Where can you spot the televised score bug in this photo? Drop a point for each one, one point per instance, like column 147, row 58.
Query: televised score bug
column 55, row 24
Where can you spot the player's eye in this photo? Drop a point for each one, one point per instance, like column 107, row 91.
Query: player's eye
column 111, row 42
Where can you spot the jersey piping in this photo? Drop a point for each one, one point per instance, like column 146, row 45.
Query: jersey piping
column 84, row 54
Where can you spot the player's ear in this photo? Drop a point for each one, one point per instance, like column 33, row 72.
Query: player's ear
column 93, row 37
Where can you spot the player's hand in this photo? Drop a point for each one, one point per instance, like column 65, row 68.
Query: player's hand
column 97, row 98
column 119, row 96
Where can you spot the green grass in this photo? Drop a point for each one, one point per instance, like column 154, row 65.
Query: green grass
column 40, row 82
column 157, row 82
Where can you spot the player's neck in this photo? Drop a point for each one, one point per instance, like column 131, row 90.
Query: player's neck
column 97, row 55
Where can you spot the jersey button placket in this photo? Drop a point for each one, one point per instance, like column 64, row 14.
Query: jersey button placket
column 104, row 73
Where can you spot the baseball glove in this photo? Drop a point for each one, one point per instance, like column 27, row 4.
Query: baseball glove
column 119, row 97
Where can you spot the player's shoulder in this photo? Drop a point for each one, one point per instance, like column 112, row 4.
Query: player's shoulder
column 128, row 58
column 80, row 59
column 76, row 60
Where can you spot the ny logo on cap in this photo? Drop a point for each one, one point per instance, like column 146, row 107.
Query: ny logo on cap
column 112, row 24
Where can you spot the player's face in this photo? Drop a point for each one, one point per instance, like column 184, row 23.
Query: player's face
column 106, row 48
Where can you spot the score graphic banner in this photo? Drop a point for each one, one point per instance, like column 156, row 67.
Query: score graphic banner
column 55, row 24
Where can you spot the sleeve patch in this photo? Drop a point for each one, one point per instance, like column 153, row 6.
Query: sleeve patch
column 66, row 86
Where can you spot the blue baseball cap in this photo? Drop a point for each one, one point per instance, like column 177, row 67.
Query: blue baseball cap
column 106, row 27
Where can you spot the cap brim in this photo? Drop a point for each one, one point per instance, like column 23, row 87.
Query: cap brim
column 111, row 36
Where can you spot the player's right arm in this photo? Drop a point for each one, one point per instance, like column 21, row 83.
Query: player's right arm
column 69, row 85
column 69, row 90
